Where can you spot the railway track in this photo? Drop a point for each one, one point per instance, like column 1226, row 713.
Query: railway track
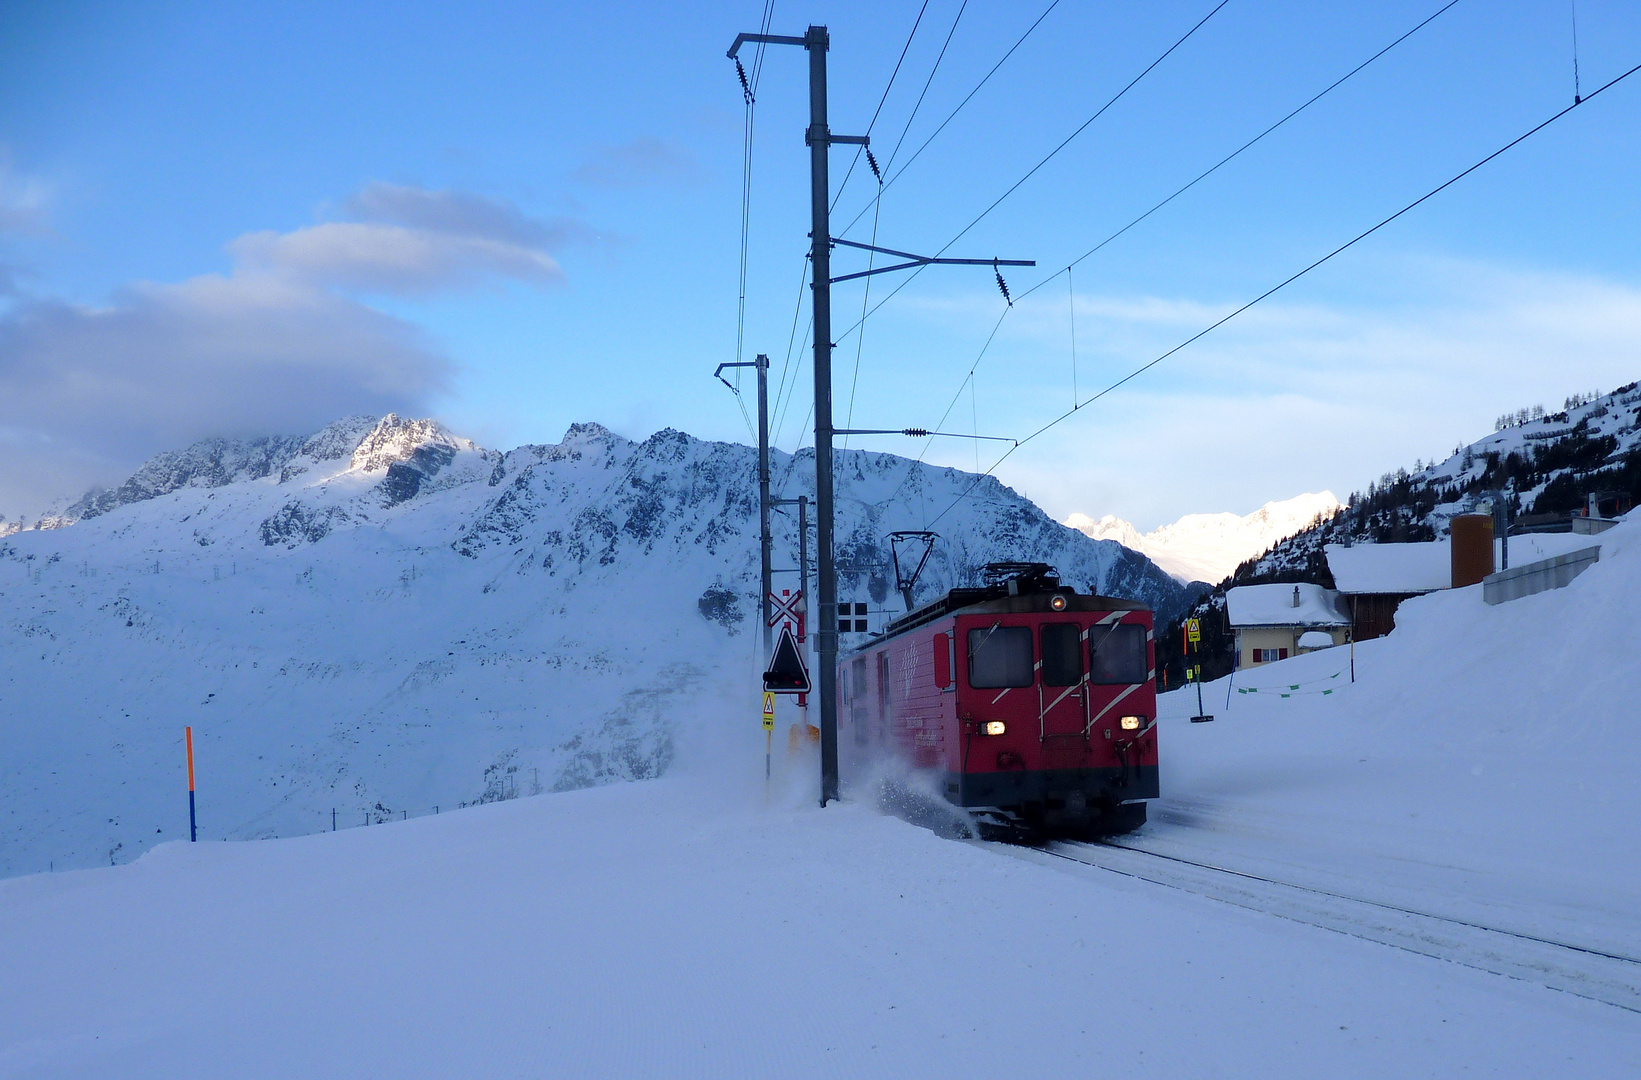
column 1599, row 975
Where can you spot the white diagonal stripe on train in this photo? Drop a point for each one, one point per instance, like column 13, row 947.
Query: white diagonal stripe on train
column 1059, row 699
column 1111, row 705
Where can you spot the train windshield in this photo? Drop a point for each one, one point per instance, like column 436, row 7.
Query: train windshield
column 1062, row 654
column 1000, row 656
column 1117, row 654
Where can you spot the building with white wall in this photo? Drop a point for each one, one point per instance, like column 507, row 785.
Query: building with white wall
column 1270, row 620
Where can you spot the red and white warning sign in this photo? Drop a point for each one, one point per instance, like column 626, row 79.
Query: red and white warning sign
column 788, row 607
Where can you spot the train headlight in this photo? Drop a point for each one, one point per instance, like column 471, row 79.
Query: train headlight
column 993, row 727
column 1131, row 723
column 1058, row 603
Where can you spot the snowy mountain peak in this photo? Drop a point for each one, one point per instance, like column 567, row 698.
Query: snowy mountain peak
column 1209, row 547
column 340, row 439
column 395, row 439
column 1109, row 527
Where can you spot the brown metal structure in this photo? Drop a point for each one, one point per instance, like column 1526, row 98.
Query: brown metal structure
column 1472, row 548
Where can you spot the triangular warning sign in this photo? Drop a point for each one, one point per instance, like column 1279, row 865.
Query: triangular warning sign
column 786, row 673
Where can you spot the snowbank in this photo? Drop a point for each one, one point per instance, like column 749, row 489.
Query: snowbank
column 1483, row 762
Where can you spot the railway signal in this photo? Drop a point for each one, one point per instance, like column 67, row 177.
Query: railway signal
column 786, row 673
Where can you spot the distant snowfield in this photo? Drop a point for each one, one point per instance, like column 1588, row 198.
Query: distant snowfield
column 1209, row 547
column 1481, row 768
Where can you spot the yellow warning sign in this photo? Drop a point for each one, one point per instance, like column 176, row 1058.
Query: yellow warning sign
column 769, row 710
column 1193, row 630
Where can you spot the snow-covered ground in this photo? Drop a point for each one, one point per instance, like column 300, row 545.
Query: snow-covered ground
column 1480, row 769
column 679, row 928
column 1209, row 547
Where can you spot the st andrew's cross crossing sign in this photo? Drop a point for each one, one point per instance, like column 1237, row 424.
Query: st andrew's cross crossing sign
column 788, row 608
column 786, row 673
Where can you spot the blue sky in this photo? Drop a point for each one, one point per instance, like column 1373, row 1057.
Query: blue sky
column 224, row 219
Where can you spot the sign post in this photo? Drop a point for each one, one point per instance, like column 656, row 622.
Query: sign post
column 769, row 732
column 1193, row 671
column 188, row 737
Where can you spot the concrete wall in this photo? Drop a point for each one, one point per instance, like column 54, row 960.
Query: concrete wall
column 1249, row 638
column 1589, row 526
column 1537, row 577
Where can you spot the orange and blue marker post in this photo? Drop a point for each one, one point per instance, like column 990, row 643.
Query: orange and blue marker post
column 188, row 737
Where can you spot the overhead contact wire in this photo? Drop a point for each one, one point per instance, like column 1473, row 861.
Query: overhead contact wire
column 1358, row 238
column 1118, row 96
column 951, row 115
column 1193, row 183
column 892, row 75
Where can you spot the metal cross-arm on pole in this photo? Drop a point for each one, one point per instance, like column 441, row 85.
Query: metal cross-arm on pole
column 762, row 364
column 764, row 39
column 919, row 260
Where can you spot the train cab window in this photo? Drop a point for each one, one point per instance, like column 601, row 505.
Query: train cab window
column 1117, row 654
column 1000, row 656
column 858, row 700
column 884, row 686
column 1062, row 654
column 943, row 657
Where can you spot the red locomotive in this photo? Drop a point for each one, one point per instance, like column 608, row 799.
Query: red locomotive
column 1028, row 705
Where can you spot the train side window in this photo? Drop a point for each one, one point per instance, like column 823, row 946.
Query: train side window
column 943, row 661
column 1062, row 654
column 1000, row 656
column 1117, row 654
column 883, row 686
column 858, row 700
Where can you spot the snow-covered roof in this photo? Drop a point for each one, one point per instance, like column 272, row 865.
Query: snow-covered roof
column 1422, row 568
column 1315, row 639
column 1272, row 605
column 1391, row 568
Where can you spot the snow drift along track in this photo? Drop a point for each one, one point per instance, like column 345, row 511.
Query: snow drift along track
column 1611, row 978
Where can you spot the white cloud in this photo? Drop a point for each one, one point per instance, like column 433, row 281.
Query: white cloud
column 88, row 393
column 24, row 200
column 279, row 345
column 394, row 259
column 462, row 213
column 641, row 162
column 410, row 241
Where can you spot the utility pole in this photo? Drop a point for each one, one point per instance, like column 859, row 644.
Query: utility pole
column 820, row 139
column 762, row 366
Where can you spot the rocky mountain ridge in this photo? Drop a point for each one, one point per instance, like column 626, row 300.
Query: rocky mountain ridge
column 384, row 617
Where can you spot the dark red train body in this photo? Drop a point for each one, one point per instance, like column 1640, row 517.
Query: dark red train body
column 1024, row 702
